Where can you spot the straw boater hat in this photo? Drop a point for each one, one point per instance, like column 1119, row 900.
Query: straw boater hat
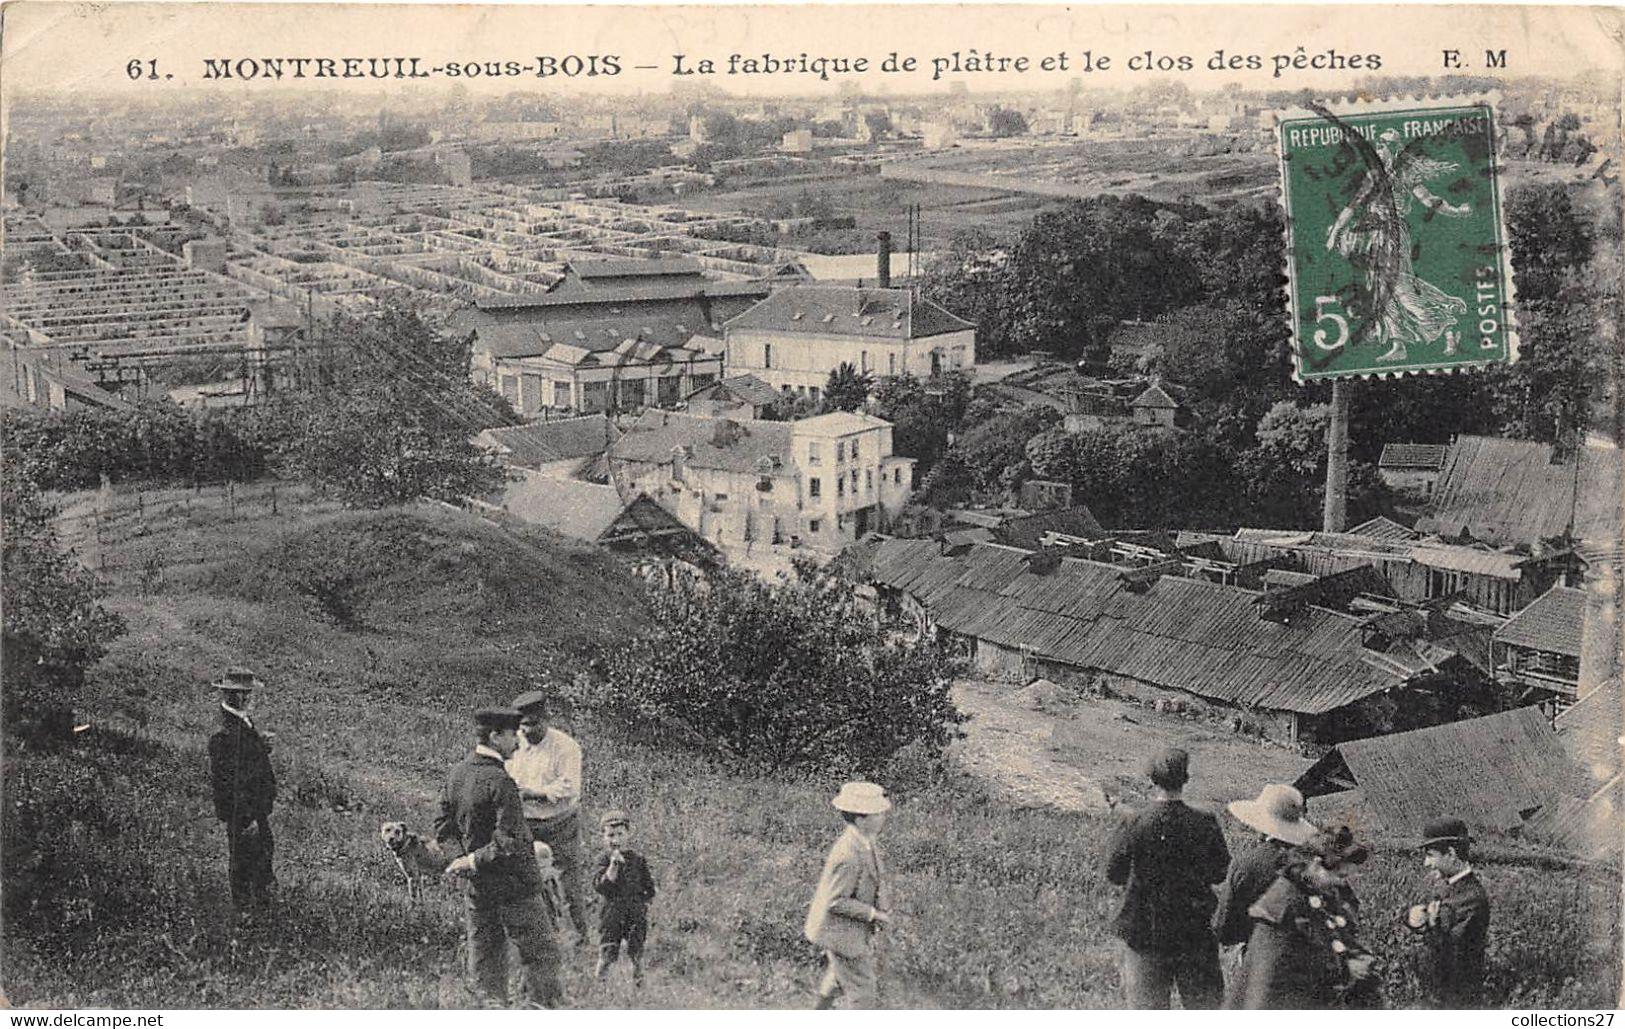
column 238, row 678
column 862, row 798
column 1277, row 812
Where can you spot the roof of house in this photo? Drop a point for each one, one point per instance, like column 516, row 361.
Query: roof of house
column 1383, row 528
column 746, row 388
column 1554, row 623
column 1487, row 771
column 1592, row 727
column 721, row 443
column 850, row 311
column 569, row 507
column 621, row 268
column 1155, row 396
column 539, row 443
column 630, row 293
column 1509, row 491
column 1413, row 455
column 838, row 423
column 1177, row 633
column 522, row 339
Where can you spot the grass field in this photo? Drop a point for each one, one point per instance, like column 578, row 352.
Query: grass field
column 114, row 866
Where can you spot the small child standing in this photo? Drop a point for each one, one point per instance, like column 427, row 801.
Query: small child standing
column 623, row 880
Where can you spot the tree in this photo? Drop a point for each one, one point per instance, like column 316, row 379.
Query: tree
column 970, row 278
column 783, row 674
column 922, row 420
column 847, row 389
column 395, row 425
column 1002, row 121
column 52, row 627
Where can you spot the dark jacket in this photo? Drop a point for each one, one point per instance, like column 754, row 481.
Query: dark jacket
column 633, row 886
column 240, row 772
column 1302, row 944
column 480, row 814
column 1456, row 942
column 1168, row 855
column 1250, row 875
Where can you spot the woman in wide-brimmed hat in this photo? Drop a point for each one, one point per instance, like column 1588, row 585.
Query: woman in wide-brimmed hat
column 1276, row 815
column 1303, row 951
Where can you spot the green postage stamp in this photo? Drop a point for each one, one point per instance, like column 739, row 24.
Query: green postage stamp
column 1397, row 255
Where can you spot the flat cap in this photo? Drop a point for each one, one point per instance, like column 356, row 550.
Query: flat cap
column 496, row 718
column 614, row 816
column 1444, row 830
column 531, row 698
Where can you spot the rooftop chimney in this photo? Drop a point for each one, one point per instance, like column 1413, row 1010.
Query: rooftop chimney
column 883, row 260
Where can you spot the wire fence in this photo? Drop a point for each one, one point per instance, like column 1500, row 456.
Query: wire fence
column 99, row 527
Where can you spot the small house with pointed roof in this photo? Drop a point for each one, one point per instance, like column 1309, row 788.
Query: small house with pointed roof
column 1155, row 408
column 1413, row 467
column 797, row 336
column 738, row 396
column 1538, row 650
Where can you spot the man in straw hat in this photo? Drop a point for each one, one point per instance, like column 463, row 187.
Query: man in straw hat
column 852, row 901
column 547, row 769
column 244, row 788
column 1276, row 815
column 1455, row 925
column 1168, row 855
column 481, row 827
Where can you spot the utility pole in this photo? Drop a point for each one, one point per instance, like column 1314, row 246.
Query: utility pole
column 1334, row 516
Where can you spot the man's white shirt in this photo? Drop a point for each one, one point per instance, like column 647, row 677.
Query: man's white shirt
column 553, row 767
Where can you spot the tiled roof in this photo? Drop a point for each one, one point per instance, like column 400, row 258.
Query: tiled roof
column 1553, row 623
column 850, row 311
column 1487, row 771
column 1508, row 491
column 519, row 339
column 1178, row 633
column 747, row 388
column 1413, row 455
column 539, row 443
column 737, row 446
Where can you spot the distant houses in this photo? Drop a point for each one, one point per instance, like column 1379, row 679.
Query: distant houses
column 821, row 482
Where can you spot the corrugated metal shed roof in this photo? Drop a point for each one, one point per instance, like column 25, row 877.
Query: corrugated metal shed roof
column 1554, row 623
column 1384, row 529
column 1487, row 771
column 1179, row 633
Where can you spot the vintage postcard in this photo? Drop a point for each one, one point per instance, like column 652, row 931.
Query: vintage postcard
column 820, row 506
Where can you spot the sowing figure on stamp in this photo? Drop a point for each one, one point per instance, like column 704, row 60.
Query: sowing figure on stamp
column 1372, row 232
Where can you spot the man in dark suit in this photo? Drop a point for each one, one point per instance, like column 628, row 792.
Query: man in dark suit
column 244, row 789
column 481, row 828
column 1169, row 856
column 1455, row 925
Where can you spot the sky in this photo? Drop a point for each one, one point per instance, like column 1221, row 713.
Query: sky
column 62, row 47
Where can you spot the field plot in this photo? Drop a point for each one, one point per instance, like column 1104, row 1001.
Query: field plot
column 1197, row 168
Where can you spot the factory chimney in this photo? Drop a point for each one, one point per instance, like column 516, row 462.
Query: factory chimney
column 883, row 260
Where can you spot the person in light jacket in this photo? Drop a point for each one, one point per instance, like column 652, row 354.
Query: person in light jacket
column 852, row 901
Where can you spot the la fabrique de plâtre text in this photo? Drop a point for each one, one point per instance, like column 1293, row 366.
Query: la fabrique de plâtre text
column 971, row 62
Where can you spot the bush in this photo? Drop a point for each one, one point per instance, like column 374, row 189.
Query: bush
column 785, row 674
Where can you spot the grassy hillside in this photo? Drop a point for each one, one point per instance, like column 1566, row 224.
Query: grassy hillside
column 115, row 868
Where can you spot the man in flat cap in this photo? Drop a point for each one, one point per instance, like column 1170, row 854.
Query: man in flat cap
column 547, row 768
column 481, row 827
column 1455, row 924
column 1169, row 856
column 244, row 788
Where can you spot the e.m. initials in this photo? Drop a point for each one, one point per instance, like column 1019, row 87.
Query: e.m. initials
column 1492, row 59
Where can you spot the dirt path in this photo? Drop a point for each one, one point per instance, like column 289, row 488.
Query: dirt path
column 1085, row 754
